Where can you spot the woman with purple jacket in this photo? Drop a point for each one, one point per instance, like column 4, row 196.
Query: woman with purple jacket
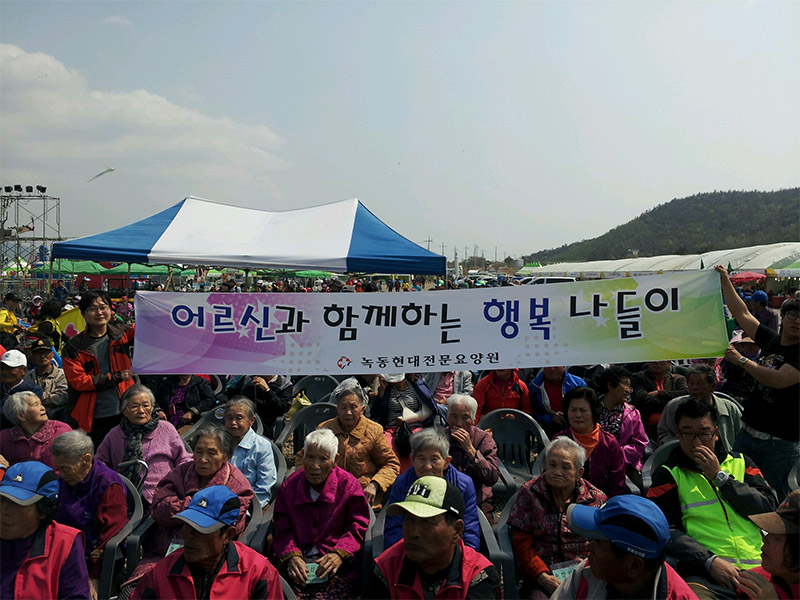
column 141, row 435
column 621, row 419
column 321, row 518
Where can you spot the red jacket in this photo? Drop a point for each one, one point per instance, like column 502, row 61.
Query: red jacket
column 403, row 578
column 39, row 575
column 244, row 574
column 492, row 393
column 83, row 370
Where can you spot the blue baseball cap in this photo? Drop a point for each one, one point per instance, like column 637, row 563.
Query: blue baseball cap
column 28, row 482
column 211, row 508
column 759, row 296
column 630, row 522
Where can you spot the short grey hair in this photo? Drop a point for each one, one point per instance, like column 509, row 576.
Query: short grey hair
column 249, row 405
column 220, row 434
column 136, row 390
column 571, row 446
column 430, row 438
column 347, row 387
column 72, row 445
column 16, row 404
column 325, row 440
column 464, row 400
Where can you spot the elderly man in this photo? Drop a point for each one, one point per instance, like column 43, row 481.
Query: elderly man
column 430, row 455
column 211, row 564
column 707, row 495
column 652, row 389
column 547, row 391
column 701, row 387
column 626, row 554
column 13, row 367
column 473, row 451
column 431, row 560
column 49, row 377
column 771, row 432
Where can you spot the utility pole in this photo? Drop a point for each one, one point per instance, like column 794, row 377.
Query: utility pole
column 429, row 240
column 443, row 247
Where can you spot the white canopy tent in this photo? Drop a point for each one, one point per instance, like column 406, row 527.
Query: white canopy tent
column 759, row 259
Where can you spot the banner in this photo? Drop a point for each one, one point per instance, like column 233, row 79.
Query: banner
column 655, row 317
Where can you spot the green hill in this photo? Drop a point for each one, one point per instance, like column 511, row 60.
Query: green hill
column 700, row 223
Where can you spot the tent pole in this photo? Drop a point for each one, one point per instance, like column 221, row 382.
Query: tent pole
column 128, row 285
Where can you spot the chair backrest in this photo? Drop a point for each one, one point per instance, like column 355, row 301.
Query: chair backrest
column 655, row 460
column 304, row 421
column 113, row 551
column 731, row 398
column 215, row 416
column 216, row 384
column 142, row 469
column 256, row 518
column 794, row 477
column 507, row 559
column 376, row 533
column 315, row 386
column 280, row 468
column 517, row 435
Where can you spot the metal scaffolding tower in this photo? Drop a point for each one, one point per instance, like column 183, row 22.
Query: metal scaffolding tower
column 29, row 225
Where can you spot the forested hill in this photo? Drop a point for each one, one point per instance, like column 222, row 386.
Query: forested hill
column 700, row 223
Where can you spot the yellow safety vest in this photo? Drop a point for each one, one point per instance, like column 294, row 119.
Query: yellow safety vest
column 709, row 519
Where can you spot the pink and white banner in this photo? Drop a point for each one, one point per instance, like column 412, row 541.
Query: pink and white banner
column 656, row 317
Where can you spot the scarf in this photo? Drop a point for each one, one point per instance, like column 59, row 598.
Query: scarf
column 133, row 449
column 589, row 440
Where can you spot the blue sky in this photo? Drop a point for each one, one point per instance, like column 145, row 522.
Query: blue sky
column 509, row 125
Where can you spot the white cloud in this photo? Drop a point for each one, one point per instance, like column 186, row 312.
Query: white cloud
column 58, row 131
column 119, row 21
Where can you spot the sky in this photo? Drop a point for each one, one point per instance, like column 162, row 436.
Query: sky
column 507, row 126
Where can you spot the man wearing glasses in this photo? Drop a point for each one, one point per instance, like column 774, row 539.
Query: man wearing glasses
column 97, row 364
column 771, row 432
column 707, row 494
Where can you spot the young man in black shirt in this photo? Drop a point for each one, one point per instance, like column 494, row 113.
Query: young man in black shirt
column 771, row 432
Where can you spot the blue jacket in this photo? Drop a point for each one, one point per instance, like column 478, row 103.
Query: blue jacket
column 393, row 530
column 540, row 403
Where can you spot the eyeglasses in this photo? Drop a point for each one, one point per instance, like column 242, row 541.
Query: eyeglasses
column 705, row 436
column 98, row 309
column 792, row 315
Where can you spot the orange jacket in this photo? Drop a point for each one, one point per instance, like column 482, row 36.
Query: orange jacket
column 83, row 370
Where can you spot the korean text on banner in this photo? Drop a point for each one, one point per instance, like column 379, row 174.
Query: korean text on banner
column 656, row 317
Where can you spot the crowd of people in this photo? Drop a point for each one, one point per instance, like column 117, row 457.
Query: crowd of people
column 717, row 519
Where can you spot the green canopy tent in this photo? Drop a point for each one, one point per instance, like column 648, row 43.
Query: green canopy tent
column 77, row 267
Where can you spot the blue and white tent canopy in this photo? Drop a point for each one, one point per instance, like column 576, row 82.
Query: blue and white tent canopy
column 342, row 237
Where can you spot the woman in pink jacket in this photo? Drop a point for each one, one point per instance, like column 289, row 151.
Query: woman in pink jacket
column 321, row 518
column 621, row 419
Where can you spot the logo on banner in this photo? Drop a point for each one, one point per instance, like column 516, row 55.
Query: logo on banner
column 343, row 362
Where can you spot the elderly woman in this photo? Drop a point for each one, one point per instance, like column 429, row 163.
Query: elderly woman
column 605, row 463
column 33, row 432
column 93, row 497
column 363, row 449
column 538, row 521
column 41, row 558
column 253, row 453
column 321, row 518
column 473, row 451
column 619, row 418
column 213, row 449
column 142, row 436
